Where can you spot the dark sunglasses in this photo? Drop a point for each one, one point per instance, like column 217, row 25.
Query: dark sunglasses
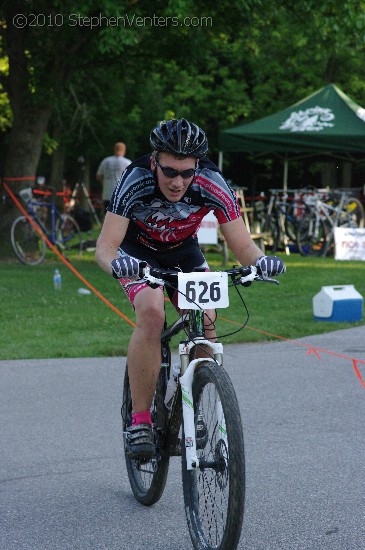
column 172, row 173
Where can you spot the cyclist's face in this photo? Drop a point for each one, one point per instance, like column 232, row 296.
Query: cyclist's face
column 173, row 187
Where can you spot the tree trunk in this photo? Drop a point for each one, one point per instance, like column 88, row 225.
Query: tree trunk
column 26, row 139
column 31, row 111
column 58, row 167
column 31, row 115
column 24, row 150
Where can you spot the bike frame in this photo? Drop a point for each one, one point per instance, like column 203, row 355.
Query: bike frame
column 32, row 204
column 324, row 209
column 194, row 319
column 32, row 211
column 330, row 214
column 186, row 381
column 187, row 369
column 207, row 434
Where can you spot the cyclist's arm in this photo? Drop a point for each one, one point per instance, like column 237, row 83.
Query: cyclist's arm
column 240, row 242
column 111, row 236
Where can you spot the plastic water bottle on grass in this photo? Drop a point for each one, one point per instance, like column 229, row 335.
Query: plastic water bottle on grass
column 57, row 279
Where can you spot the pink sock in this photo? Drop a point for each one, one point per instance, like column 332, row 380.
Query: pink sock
column 143, row 417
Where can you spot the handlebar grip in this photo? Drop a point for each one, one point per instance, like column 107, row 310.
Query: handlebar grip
column 247, row 270
column 167, row 275
column 141, row 268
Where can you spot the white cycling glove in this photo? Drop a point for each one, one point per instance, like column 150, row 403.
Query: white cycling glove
column 126, row 267
column 270, row 266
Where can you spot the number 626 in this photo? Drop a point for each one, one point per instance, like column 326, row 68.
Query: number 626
column 202, row 292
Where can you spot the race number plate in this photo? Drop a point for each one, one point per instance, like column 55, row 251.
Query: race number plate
column 208, row 290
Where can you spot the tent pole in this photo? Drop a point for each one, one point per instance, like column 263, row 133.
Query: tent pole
column 220, row 160
column 286, row 169
column 285, row 188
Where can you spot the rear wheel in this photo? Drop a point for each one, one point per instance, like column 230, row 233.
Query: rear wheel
column 312, row 235
column 295, row 212
column 274, row 229
column 68, row 236
column 27, row 243
column 354, row 211
column 148, row 477
column 214, row 493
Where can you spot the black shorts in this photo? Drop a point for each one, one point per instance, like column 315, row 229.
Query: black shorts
column 185, row 257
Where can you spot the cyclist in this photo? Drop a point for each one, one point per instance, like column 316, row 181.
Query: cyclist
column 153, row 216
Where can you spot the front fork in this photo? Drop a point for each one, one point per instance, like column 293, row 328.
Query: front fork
column 186, row 382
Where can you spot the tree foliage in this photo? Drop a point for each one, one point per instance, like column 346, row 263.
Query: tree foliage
column 109, row 74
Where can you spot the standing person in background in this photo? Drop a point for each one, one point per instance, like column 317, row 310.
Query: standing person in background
column 110, row 170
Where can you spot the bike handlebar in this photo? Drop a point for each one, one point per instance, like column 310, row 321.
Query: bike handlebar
column 242, row 275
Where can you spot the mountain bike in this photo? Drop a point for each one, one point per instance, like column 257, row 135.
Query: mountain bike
column 315, row 234
column 27, row 243
column 202, row 421
column 284, row 213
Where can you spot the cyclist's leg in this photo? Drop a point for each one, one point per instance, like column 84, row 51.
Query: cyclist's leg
column 144, row 351
column 144, row 363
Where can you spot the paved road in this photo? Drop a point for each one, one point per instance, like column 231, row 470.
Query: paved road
column 63, row 483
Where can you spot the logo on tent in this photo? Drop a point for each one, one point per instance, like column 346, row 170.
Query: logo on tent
column 313, row 119
column 361, row 113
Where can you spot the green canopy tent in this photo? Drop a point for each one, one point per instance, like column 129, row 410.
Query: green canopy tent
column 327, row 123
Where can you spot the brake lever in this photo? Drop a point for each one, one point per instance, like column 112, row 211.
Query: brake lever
column 150, row 280
column 268, row 280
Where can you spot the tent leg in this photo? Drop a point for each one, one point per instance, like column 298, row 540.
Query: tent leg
column 286, row 170
column 220, row 161
column 285, row 188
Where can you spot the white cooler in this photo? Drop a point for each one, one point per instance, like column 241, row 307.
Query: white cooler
column 338, row 303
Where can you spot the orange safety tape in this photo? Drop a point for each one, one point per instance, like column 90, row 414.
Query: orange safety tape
column 64, row 260
column 27, row 178
column 316, row 351
column 48, row 193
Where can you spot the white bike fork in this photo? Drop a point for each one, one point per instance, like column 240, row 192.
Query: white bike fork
column 186, row 382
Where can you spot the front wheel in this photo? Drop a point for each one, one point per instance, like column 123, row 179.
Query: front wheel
column 148, row 477
column 214, row 493
column 27, row 243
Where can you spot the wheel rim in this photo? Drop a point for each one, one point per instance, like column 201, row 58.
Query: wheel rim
column 211, row 485
column 27, row 243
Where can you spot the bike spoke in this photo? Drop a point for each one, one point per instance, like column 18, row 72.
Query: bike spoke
column 214, row 492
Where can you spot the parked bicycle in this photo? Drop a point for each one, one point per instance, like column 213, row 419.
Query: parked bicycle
column 62, row 231
column 283, row 214
column 315, row 234
column 202, row 421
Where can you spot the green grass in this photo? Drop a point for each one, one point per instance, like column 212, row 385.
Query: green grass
column 39, row 322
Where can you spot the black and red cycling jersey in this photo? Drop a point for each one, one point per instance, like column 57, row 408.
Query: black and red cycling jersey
column 161, row 224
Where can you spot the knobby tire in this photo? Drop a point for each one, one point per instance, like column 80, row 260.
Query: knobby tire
column 214, row 495
column 27, row 243
column 68, row 235
column 148, row 478
column 312, row 235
